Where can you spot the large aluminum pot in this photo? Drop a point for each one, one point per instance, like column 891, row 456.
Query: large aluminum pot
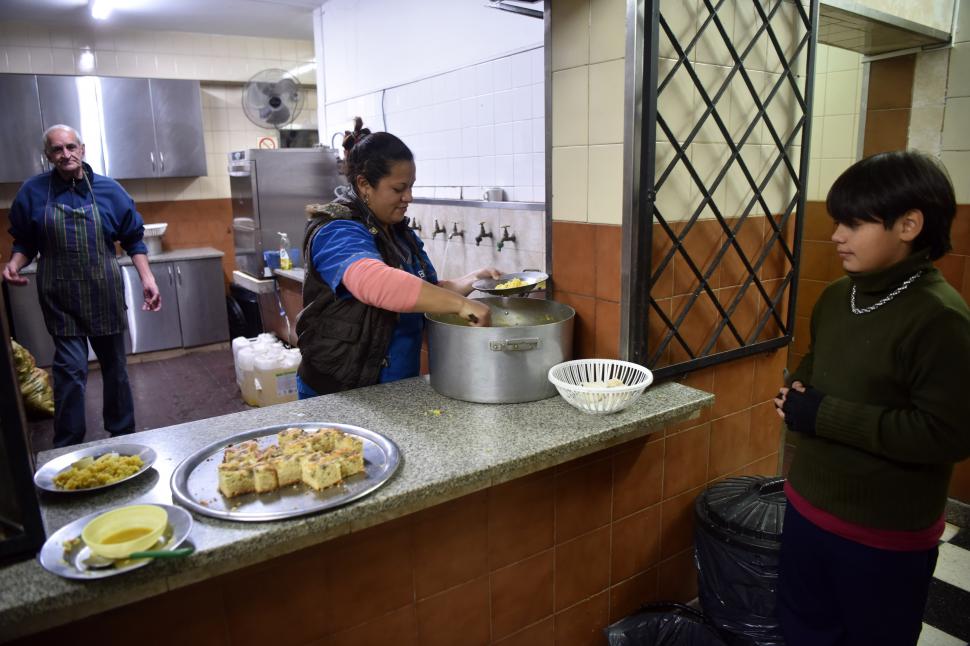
column 505, row 363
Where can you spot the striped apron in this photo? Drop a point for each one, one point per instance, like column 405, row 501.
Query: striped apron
column 80, row 288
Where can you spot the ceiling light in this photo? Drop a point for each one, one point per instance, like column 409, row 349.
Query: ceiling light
column 85, row 61
column 100, row 9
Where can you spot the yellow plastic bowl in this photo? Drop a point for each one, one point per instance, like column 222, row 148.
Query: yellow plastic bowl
column 119, row 532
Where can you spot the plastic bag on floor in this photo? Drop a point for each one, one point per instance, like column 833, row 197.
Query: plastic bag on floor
column 35, row 383
column 668, row 624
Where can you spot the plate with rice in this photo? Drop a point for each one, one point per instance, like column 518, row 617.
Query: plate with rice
column 94, row 467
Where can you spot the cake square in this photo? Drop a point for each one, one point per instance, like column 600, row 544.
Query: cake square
column 320, row 470
column 264, row 478
column 323, row 439
column 242, row 450
column 351, row 462
column 288, row 469
column 288, row 435
column 348, row 442
column 303, row 446
column 235, row 480
column 271, row 451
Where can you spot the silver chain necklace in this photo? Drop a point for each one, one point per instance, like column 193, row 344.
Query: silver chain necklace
column 893, row 294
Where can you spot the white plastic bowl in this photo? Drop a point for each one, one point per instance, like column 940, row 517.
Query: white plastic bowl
column 574, row 379
column 155, row 229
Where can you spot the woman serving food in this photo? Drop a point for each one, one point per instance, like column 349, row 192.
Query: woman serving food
column 368, row 279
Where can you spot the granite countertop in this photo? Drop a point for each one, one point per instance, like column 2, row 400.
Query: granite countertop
column 296, row 274
column 465, row 448
column 194, row 253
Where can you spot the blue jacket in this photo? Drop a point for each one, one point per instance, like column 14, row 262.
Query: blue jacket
column 119, row 219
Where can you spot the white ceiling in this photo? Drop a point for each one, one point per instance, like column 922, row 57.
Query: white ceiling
column 268, row 18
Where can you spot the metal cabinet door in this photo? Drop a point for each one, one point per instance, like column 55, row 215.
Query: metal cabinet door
column 153, row 330
column 73, row 101
column 20, row 128
column 202, row 301
column 129, row 136
column 179, row 140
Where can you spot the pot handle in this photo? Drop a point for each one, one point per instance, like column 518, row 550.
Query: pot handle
column 514, row 345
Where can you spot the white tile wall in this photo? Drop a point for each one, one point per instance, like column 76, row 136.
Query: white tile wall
column 580, row 28
column 941, row 104
column 457, row 255
column 219, row 62
column 836, row 117
column 470, row 129
column 955, row 137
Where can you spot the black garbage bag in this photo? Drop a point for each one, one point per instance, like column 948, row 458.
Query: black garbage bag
column 737, row 544
column 665, row 624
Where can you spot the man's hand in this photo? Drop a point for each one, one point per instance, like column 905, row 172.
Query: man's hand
column 11, row 274
column 153, row 300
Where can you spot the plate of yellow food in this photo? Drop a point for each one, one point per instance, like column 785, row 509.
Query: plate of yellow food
column 284, row 471
column 520, row 282
column 94, row 467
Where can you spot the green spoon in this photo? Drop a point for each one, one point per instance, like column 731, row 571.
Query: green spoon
column 95, row 562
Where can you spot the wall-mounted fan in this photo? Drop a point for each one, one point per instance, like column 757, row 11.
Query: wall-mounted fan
column 272, row 98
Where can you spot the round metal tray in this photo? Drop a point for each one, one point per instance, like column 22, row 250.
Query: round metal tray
column 64, row 552
column 195, row 482
column 532, row 278
column 44, row 478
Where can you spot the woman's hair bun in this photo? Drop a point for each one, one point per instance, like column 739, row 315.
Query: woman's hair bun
column 352, row 138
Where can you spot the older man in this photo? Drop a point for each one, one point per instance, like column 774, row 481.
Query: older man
column 72, row 217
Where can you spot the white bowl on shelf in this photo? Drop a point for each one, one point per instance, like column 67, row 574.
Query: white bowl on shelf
column 584, row 383
column 153, row 236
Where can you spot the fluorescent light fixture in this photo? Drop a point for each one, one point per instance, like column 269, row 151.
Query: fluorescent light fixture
column 301, row 69
column 92, row 121
column 101, row 9
column 85, row 62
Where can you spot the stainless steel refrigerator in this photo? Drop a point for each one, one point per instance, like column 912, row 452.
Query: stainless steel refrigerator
column 270, row 190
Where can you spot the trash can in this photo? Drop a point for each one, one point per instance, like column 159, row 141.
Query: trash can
column 244, row 316
column 663, row 624
column 737, row 540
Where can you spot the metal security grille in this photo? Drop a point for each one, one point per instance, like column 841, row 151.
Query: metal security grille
column 718, row 192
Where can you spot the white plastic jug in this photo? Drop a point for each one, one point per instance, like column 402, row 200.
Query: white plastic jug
column 246, row 375
column 238, row 344
column 275, row 376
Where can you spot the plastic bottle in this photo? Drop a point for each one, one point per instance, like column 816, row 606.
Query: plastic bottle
column 285, row 262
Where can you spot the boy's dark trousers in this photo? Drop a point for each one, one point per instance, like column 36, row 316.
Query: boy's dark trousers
column 833, row 591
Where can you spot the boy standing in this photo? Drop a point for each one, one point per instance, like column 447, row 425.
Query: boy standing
column 880, row 413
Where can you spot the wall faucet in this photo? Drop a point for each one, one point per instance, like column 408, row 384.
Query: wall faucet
column 482, row 234
column 438, row 229
column 456, row 232
column 505, row 238
column 414, row 225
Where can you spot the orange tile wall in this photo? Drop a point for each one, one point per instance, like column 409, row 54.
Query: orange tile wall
column 740, row 434
column 191, row 223
column 888, row 104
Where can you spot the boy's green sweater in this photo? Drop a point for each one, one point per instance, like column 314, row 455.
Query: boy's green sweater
column 896, row 412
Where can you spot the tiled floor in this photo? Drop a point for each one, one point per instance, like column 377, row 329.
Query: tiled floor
column 947, row 618
column 170, row 391
column 203, row 384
